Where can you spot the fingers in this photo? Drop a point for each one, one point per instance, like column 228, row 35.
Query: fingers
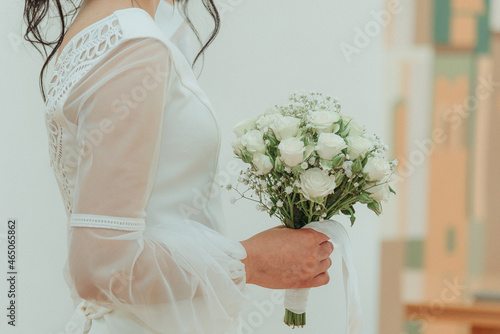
column 319, row 280
column 319, row 268
column 324, row 265
column 325, row 250
column 320, row 237
column 321, row 272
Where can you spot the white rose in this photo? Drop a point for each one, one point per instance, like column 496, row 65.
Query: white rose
column 353, row 127
column 323, row 121
column 329, row 145
column 377, row 168
column 316, row 183
column 267, row 120
column 244, row 126
column 253, row 141
column 292, row 151
column 237, row 146
column 379, row 192
column 263, row 164
column 358, row 146
column 286, row 127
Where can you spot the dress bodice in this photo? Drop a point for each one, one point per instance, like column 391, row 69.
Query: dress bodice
column 184, row 184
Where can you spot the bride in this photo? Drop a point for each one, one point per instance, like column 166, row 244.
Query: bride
column 132, row 138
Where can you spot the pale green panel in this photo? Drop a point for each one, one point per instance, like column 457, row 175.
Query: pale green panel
column 451, row 236
column 413, row 327
column 476, row 248
column 453, row 65
column 415, row 254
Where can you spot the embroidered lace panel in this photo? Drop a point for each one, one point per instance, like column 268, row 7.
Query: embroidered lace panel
column 77, row 57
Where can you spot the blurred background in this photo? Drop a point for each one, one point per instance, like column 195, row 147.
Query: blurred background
column 440, row 258
column 423, row 74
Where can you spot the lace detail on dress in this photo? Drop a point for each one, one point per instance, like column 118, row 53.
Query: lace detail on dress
column 77, row 57
column 124, row 224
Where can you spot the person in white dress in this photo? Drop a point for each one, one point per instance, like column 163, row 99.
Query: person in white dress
column 133, row 141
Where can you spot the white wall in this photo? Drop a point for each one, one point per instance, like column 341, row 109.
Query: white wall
column 265, row 50
column 28, row 190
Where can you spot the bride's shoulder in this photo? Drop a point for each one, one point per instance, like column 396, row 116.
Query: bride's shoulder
column 147, row 39
column 137, row 24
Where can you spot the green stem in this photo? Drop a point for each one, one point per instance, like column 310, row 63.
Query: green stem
column 311, row 206
column 294, row 319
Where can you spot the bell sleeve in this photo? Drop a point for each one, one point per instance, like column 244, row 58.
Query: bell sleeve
column 183, row 278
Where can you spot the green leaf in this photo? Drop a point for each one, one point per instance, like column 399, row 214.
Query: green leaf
column 353, row 219
column 375, row 207
column 299, row 169
column 338, row 161
column 392, row 190
column 308, row 152
column 365, row 160
column 273, row 210
column 348, row 211
column 319, row 200
column 273, row 141
column 365, row 199
column 341, row 126
column 278, row 165
column 345, row 212
column 339, row 178
column 326, row 164
column 357, row 166
column 246, row 156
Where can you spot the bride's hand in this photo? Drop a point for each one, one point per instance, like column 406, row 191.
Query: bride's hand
column 283, row 258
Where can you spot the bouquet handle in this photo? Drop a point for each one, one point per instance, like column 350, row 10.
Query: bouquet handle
column 295, row 307
column 342, row 245
column 296, row 300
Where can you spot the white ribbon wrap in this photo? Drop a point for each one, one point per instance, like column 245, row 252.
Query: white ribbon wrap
column 296, row 299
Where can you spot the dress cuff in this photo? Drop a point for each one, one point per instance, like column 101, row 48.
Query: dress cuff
column 115, row 223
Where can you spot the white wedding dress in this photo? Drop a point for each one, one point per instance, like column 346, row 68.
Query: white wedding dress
column 134, row 145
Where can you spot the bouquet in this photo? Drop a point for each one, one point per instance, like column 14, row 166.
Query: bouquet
column 307, row 163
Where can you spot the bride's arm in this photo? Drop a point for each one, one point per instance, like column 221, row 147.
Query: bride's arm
column 167, row 278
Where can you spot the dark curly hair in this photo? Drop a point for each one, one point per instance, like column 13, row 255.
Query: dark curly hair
column 35, row 11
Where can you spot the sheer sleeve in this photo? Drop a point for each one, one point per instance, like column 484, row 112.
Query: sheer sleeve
column 183, row 278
